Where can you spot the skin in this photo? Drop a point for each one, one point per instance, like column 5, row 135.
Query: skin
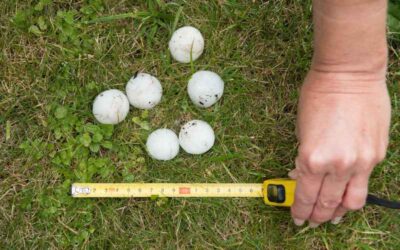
column 344, row 110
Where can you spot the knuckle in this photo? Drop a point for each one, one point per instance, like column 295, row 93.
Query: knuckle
column 343, row 163
column 314, row 163
column 368, row 157
column 329, row 203
column 305, row 200
column 346, row 161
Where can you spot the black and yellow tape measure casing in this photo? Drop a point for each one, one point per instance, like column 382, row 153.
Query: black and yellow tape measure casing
column 279, row 192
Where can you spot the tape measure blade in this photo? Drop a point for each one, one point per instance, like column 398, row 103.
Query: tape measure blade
column 123, row 190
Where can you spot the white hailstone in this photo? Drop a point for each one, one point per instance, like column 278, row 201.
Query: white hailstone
column 110, row 107
column 184, row 42
column 163, row 144
column 196, row 137
column 144, row 91
column 205, row 88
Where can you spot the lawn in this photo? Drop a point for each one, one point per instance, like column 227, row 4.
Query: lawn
column 56, row 56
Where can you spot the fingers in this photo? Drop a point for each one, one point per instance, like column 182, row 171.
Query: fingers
column 320, row 198
column 354, row 197
column 338, row 215
column 329, row 199
column 356, row 193
column 307, row 190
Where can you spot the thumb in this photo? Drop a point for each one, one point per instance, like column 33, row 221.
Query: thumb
column 293, row 174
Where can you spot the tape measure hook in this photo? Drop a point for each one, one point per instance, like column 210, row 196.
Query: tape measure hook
column 79, row 190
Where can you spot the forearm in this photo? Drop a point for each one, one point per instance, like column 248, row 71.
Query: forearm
column 350, row 37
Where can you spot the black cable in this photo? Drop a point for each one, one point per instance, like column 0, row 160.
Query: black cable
column 372, row 199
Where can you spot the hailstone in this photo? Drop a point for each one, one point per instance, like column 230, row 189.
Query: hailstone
column 184, row 42
column 144, row 91
column 196, row 137
column 205, row 88
column 110, row 107
column 163, row 144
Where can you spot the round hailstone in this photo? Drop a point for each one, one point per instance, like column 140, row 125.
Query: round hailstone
column 163, row 144
column 184, row 42
column 110, row 107
column 196, row 137
column 144, row 91
column 205, row 88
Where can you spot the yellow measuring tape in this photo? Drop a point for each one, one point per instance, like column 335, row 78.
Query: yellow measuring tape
column 276, row 192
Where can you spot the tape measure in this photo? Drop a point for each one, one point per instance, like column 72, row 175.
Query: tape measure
column 276, row 192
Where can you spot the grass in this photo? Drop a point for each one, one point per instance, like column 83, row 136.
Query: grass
column 56, row 56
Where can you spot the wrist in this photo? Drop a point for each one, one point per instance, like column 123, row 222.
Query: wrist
column 374, row 68
column 328, row 82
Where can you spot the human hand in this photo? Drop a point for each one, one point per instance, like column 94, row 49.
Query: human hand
column 342, row 127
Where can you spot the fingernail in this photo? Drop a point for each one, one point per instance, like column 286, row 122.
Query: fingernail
column 298, row 222
column 336, row 220
column 313, row 225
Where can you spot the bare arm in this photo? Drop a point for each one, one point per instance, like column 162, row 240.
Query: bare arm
column 350, row 36
column 344, row 110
